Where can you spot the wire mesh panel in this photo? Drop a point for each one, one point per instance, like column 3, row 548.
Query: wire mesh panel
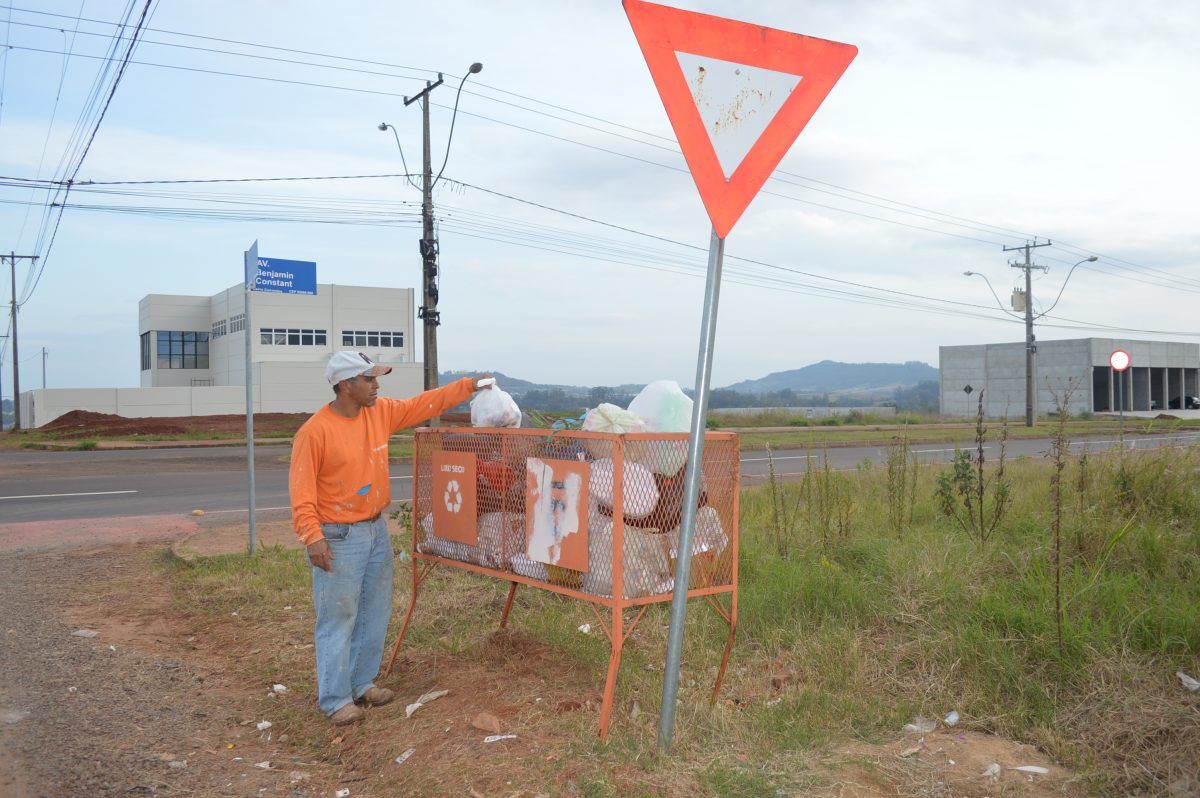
column 585, row 514
column 592, row 514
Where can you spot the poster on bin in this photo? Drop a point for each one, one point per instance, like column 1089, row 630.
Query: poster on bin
column 454, row 497
column 556, row 512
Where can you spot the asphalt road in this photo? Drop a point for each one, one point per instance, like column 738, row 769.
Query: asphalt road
column 43, row 486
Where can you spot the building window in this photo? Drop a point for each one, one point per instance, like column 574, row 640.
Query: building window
column 178, row 349
column 237, row 323
column 372, row 338
column 218, row 329
column 145, row 351
column 285, row 336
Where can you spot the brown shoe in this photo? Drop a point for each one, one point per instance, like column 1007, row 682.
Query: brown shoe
column 347, row 715
column 377, row 697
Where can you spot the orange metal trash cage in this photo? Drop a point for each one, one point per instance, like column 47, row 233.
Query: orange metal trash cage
column 626, row 498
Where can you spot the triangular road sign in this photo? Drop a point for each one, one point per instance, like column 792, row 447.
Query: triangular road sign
column 737, row 96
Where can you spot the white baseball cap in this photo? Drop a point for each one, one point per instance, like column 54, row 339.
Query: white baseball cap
column 348, row 365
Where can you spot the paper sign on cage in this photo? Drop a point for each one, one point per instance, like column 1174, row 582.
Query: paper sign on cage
column 737, row 96
column 556, row 512
column 454, row 497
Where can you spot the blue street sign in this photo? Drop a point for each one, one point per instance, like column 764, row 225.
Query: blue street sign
column 283, row 276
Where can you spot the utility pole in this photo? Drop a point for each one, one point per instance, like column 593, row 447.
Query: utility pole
column 1030, row 346
column 428, row 311
column 12, row 260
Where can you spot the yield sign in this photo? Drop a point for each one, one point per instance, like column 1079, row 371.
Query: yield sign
column 737, row 96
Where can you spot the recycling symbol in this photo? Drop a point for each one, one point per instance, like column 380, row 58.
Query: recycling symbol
column 453, row 496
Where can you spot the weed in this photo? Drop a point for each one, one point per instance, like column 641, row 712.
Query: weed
column 901, row 483
column 785, row 510
column 85, row 446
column 827, row 501
column 1059, row 448
column 963, row 491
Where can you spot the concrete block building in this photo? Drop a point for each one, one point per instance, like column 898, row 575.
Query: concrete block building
column 1162, row 375
column 192, row 353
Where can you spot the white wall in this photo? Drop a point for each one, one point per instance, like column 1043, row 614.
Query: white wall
column 42, row 406
column 279, row 388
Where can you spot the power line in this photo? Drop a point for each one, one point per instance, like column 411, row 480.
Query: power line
column 88, row 146
column 4, row 66
column 927, row 215
column 50, row 126
column 588, row 249
column 899, row 206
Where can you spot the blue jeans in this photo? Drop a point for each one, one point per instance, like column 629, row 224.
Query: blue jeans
column 353, row 603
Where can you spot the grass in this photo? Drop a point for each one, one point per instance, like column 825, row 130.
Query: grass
column 843, row 637
column 792, row 433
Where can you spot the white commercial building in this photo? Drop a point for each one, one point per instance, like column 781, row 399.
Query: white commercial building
column 193, row 353
column 1164, row 376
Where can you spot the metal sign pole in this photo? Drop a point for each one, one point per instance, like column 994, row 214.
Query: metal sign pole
column 691, row 492
column 1121, row 381
column 251, row 271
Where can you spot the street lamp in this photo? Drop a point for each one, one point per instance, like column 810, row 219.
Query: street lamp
column 993, row 290
column 1092, row 259
column 1030, row 346
column 385, row 126
column 428, row 311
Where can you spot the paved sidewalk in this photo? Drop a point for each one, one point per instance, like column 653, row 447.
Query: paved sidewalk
column 85, row 532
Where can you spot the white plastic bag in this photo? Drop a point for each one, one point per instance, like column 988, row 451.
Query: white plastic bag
column 709, row 535
column 500, row 537
column 664, row 407
column 611, row 418
column 645, row 566
column 450, row 549
column 494, row 408
column 639, row 492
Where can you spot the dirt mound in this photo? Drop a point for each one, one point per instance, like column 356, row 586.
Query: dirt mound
column 79, row 418
column 87, row 424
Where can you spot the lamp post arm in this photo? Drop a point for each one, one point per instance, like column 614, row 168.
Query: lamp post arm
column 395, row 135
column 1063, row 287
column 999, row 304
column 474, row 69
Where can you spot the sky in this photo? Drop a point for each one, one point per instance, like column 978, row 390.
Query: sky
column 573, row 240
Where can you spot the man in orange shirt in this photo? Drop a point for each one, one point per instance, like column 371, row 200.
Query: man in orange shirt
column 340, row 488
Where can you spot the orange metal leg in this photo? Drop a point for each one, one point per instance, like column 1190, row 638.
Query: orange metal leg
column 512, row 592
column 614, row 665
column 728, row 648
column 412, row 606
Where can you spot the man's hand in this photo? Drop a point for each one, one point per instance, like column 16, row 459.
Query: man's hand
column 486, row 386
column 320, row 555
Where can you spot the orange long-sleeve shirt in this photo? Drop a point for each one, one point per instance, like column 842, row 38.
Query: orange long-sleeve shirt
column 339, row 470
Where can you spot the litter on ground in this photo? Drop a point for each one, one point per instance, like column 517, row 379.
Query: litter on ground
column 495, row 738
column 433, row 695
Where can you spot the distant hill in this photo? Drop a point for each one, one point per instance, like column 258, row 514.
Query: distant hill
column 516, row 387
column 826, row 377
column 830, row 376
